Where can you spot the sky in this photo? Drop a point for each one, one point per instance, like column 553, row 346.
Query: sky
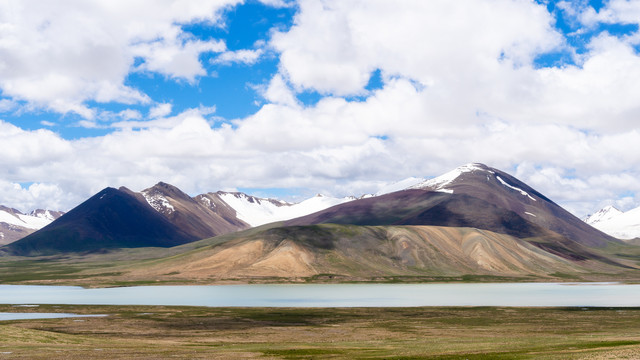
column 287, row 98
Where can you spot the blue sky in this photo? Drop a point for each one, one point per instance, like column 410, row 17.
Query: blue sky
column 228, row 87
column 293, row 98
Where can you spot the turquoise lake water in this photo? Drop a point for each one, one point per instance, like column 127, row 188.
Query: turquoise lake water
column 336, row 295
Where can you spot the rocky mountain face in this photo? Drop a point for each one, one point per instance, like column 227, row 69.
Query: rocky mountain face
column 622, row 225
column 194, row 216
column 15, row 225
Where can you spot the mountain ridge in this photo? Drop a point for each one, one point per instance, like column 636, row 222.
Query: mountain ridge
column 473, row 195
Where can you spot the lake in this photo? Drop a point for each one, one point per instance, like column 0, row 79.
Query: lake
column 336, row 295
column 4, row 316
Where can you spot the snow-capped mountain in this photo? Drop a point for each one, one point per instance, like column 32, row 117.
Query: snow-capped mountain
column 200, row 216
column 603, row 214
column 233, row 206
column 440, row 183
column 161, row 215
column 622, row 225
column 399, row 185
column 255, row 211
column 15, row 225
column 472, row 195
column 505, row 191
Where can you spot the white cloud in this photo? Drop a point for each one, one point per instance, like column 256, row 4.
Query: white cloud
column 279, row 92
column 616, row 11
column 160, row 110
column 34, row 196
column 240, row 56
column 59, row 55
column 453, row 91
column 335, row 45
column 7, row 105
column 176, row 58
column 130, row 114
column 278, row 3
column 22, row 149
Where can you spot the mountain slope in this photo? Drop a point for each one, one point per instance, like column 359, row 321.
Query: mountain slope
column 192, row 215
column 622, row 225
column 507, row 192
column 113, row 218
column 350, row 252
column 420, row 207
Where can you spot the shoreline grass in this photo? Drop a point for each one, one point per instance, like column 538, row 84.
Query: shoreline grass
column 145, row 332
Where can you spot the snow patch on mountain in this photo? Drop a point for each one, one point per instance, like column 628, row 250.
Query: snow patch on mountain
column 15, row 217
column 207, row 202
column 158, row 202
column 440, row 183
column 524, row 193
column 399, row 185
column 256, row 211
column 622, row 225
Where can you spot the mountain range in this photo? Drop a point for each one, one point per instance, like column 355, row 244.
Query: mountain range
column 162, row 215
column 474, row 220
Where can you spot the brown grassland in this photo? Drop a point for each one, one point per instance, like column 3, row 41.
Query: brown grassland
column 157, row 332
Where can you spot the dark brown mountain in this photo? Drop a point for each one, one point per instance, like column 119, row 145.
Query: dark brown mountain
column 195, row 216
column 507, row 192
column 475, row 196
column 424, row 207
column 113, row 218
column 161, row 216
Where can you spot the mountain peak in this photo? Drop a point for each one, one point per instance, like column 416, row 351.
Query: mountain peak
column 622, row 225
column 604, row 214
column 440, row 183
column 159, row 197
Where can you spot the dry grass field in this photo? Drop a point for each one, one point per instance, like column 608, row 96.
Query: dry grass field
column 152, row 332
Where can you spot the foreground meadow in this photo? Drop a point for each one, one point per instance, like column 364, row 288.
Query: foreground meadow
column 152, row 332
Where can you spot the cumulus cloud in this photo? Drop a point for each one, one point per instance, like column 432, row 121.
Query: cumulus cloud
column 35, row 196
column 266, row 150
column 459, row 83
column 335, row 45
column 160, row 110
column 60, row 55
column 279, row 92
column 176, row 58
